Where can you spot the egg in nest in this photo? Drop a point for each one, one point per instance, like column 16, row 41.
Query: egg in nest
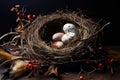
column 57, row 36
column 58, row 44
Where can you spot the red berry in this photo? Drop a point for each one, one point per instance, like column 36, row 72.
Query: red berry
column 109, row 60
column 29, row 16
column 81, row 78
column 19, row 13
column 100, row 65
column 28, row 65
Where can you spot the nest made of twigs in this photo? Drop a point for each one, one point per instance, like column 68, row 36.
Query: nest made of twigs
column 38, row 37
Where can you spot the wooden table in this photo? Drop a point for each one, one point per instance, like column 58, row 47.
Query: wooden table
column 97, row 75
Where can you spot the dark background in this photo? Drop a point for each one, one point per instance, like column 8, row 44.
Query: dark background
column 101, row 9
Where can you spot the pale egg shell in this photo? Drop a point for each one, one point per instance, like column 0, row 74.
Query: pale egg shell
column 69, row 27
column 65, row 38
column 57, row 36
column 72, row 35
column 58, row 44
column 68, row 36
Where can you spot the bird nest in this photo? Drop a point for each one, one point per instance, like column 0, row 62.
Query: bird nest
column 38, row 38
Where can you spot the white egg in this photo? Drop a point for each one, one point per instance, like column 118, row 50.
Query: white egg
column 65, row 38
column 58, row 44
column 57, row 36
column 69, row 27
column 68, row 36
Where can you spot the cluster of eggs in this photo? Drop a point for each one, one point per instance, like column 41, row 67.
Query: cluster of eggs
column 62, row 38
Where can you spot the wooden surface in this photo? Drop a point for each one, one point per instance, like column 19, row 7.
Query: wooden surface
column 74, row 75
column 87, row 76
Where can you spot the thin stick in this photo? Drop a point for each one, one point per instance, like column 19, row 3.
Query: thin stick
column 7, row 34
column 97, row 31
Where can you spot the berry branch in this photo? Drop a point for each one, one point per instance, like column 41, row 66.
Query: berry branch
column 22, row 18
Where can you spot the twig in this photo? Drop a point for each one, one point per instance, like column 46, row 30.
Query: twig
column 7, row 34
column 97, row 32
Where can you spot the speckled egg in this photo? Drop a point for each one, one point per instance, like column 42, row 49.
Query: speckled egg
column 69, row 27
